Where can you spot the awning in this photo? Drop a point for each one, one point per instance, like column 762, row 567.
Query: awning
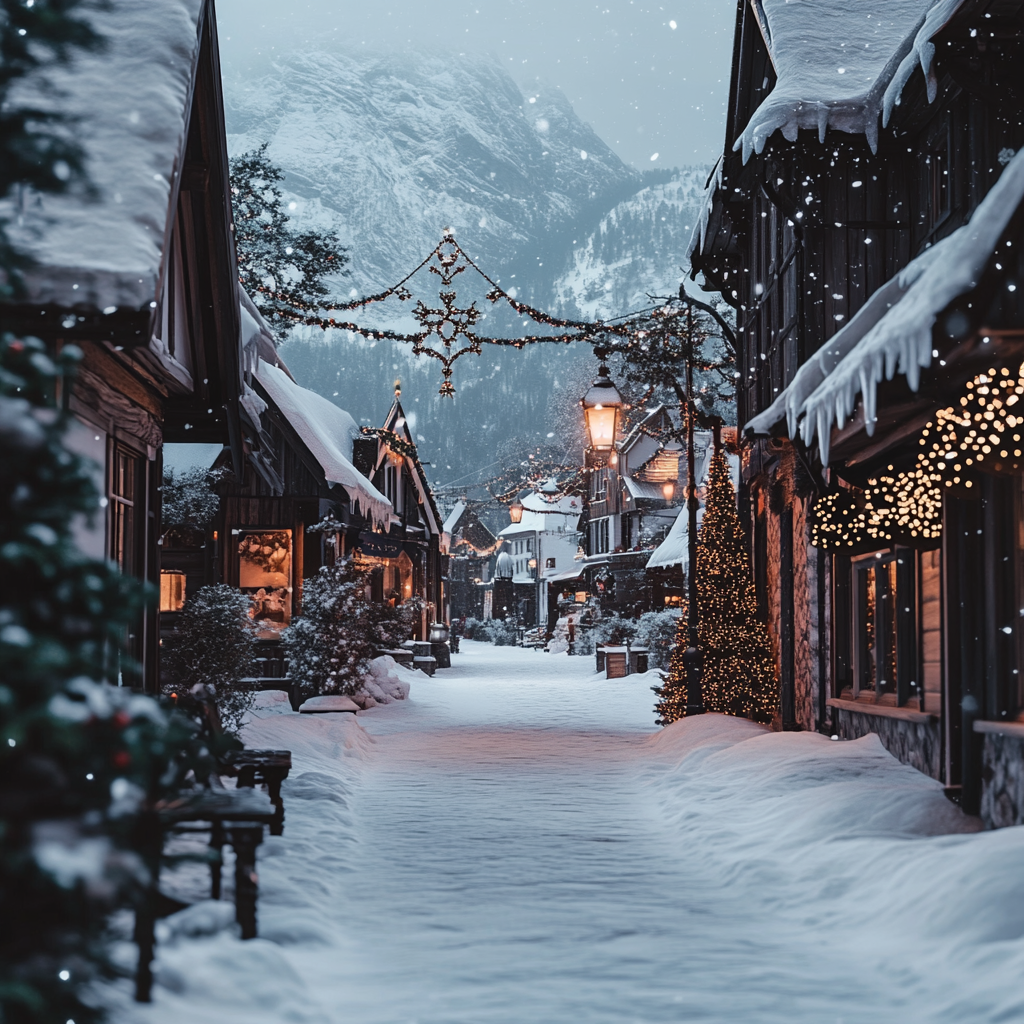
column 568, row 574
column 894, row 335
column 643, row 489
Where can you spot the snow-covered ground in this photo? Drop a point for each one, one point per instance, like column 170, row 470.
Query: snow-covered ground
column 518, row 843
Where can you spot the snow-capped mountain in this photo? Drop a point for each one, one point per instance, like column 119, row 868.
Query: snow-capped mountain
column 636, row 251
column 388, row 151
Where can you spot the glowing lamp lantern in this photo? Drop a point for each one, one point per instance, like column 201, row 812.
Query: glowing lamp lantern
column 668, row 489
column 601, row 407
column 515, row 511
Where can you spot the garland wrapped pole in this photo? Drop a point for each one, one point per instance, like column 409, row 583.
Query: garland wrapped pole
column 692, row 656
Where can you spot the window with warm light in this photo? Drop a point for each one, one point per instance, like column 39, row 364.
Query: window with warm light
column 172, row 590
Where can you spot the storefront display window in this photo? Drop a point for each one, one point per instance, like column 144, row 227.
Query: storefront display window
column 265, row 574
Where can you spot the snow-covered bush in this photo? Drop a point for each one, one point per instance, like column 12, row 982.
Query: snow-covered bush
column 477, row 629
column 613, row 630
column 382, row 683
column 331, row 644
column 212, row 654
column 657, row 632
column 503, row 633
column 188, row 498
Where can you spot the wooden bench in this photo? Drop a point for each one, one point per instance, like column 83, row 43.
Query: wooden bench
column 266, row 767
column 231, row 816
column 236, row 817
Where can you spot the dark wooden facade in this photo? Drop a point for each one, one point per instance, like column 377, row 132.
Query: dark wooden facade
column 389, row 459
column 472, row 552
column 798, row 239
column 160, row 336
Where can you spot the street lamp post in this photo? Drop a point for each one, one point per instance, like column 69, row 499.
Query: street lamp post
column 692, row 661
column 602, row 405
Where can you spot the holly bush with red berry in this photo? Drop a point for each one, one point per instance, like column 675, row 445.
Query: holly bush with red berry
column 81, row 760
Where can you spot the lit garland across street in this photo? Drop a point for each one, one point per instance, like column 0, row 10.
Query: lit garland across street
column 443, row 326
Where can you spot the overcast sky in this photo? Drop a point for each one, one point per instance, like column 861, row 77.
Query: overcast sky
column 651, row 78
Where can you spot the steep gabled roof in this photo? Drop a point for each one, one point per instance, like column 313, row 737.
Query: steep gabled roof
column 396, row 423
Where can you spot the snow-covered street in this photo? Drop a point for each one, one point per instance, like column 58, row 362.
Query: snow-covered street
column 518, row 842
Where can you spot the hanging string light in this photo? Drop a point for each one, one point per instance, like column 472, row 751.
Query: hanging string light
column 839, row 520
column 448, row 330
column 982, row 432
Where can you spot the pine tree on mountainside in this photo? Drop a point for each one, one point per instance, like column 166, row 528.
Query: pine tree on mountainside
column 270, row 254
column 738, row 674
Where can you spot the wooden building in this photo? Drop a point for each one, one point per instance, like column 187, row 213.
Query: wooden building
column 472, row 551
column 865, row 222
column 410, row 552
column 632, row 503
column 139, row 273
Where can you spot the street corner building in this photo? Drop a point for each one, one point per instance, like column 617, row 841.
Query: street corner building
column 866, row 222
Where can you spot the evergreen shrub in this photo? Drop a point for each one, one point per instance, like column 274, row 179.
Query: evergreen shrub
column 212, row 655
column 189, row 499
column 81, row 762
column 331, row 644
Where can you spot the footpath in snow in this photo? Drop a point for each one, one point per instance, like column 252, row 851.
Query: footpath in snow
column 518, row 843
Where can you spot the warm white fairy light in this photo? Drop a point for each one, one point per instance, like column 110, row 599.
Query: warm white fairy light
column 984, row 431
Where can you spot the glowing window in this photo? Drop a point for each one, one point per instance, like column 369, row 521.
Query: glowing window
column 172, row 590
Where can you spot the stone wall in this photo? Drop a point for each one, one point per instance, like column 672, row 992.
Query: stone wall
column 918, row 744
column 805, row 614
column 1002, row 787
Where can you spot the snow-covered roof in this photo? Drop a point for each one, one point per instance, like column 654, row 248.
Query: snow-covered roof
column 180, row 457
column 900, row 340
column 642, row 489
column 258, row 341
column 839, row 64
column 674, row 549
column 327, row 432
column 453, row 517
column 128, row 104
column 540, row 515
column 562, row 575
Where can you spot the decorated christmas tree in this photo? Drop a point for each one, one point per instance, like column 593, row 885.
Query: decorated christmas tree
column 672, row 693
column 738, row 665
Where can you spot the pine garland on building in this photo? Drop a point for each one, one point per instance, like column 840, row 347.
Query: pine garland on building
column 738, row 665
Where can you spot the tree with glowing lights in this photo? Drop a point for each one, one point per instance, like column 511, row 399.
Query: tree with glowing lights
column 738, row 664
column 672, row 701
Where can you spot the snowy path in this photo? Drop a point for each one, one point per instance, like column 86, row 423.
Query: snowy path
column 519, row 844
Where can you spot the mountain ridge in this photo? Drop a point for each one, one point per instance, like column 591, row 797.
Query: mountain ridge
column 388, row 151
